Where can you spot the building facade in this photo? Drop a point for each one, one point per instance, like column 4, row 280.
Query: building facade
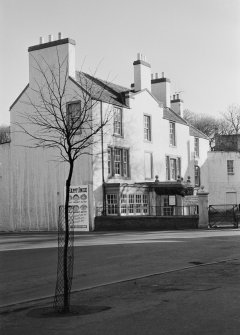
column 143, row 162
column 224, row 171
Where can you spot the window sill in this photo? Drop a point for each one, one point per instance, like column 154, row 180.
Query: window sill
column 117, row 135
column 119, row 177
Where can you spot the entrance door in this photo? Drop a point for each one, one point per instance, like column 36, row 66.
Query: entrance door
column 231, row 198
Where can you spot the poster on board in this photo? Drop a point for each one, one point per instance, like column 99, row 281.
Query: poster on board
column 78, row 199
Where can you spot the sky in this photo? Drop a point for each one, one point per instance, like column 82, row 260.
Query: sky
column 194, row 42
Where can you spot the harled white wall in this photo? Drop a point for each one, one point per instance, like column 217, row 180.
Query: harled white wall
column 5, row 166
column 219, row 181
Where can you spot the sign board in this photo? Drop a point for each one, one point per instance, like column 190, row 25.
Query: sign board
column 172, row 200
column 190, row 200
column 78, row 199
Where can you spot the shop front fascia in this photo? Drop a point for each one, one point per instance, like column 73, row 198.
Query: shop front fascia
column 147, row 198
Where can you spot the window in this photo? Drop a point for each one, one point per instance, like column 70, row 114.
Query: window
column 117, row 123
column 118, row 162
column 148, row 165
column 197, row 175
column 167, row 209
column 196, row 146
column 134, row 204
column 147, row 128
column 173, row 167
column 172, row 134
column 74, row 116
column 112, row 204
column 230, row 168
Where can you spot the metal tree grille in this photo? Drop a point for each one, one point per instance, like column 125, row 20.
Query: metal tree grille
column 64, row 278
column 220, row 215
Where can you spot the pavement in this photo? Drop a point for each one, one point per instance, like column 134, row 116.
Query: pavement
column 201, row 298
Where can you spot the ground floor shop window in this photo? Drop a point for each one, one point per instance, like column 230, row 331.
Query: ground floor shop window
column 134, row 204
column 112, row 204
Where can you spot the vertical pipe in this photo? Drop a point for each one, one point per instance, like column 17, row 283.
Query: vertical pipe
column 103, row 178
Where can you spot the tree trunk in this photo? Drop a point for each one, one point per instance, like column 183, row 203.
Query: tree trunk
column 66, row 241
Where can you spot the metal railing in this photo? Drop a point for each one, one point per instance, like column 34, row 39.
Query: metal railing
column 146, row 210
column 223, row 214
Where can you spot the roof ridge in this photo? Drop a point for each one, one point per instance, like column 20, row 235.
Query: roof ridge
column 179, row 116
column 190, row 125
column 105, row 82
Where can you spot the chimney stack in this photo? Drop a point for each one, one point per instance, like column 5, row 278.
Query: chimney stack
column 46, row 56
column 142, row 73
column 177, row 104
column 160, row 88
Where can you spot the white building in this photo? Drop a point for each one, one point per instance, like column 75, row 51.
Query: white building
column 146, row 137
column 224, row 171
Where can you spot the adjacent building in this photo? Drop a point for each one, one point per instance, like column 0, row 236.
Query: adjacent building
column 224, row 171
column 143, row 163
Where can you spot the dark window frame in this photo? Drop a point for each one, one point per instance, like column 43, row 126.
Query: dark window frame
column 122, row 164
column 147, row 127
column 196, row 146
column 117, row 121
column 172, row 134
column 197, row 176
column 178, row 166
column 230, row 167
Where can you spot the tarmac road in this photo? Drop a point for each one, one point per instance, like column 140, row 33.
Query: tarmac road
column 147, row 283
column 29, row 261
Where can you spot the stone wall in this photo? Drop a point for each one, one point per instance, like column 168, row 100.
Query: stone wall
column 145, row 222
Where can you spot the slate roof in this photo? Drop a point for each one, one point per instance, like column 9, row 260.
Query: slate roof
column 197, row 133
column 102, row 90
column 170, row 115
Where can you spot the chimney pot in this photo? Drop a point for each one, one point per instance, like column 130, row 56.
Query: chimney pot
column 50, row 38
column 41, row 40
column 152, row 76
column 138, row 56
column 162, row 74
column 59, row 35
column 156, row 75
column 173, row 96
column 177, row 96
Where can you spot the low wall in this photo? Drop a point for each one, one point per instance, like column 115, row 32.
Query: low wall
column 145, row 222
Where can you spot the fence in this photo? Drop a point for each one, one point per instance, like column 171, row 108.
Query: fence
column 220, row 215
column 146, row 210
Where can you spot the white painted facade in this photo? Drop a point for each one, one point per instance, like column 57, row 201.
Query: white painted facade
column 33, row 179
column 224, row 187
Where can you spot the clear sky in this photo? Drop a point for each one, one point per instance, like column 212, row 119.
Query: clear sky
column 194, row 42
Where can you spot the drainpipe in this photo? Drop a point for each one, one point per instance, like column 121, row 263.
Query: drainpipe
column 103, row 178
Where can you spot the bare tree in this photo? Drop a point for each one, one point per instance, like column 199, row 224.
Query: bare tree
column 232, row 118
column 64, row 119
column 205, row 123
column 211, row 126
column 4, row 134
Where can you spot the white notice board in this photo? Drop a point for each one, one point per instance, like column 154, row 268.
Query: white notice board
column 78, row 198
